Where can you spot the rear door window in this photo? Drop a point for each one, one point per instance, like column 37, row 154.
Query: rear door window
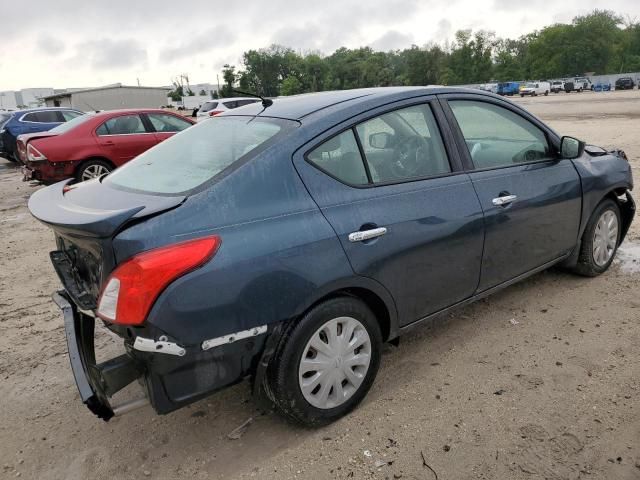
column 230, row 105
column 48, row 116
column 340, row 158
column 187, row 161
column 122, row 125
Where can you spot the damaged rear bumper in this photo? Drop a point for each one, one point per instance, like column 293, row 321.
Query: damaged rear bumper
column 172, row 376
column 95, row 382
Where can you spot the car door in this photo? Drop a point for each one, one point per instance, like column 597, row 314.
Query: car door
column 389, row 183
column 124, row 137
column 166, row 125
column 531, row 198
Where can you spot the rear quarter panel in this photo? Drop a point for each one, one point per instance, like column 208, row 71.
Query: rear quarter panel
column 278, row 252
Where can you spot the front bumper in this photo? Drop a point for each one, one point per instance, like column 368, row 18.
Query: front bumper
column 95, row 382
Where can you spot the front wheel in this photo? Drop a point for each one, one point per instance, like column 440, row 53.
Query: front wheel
column 92, row 169
column 600, row 240
column 326, row 362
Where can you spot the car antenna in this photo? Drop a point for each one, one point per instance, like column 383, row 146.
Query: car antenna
column 266, row 102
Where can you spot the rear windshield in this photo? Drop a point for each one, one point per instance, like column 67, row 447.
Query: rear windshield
column 4, row 117
column 71, row 124
column 197, row 154
column 208, row 106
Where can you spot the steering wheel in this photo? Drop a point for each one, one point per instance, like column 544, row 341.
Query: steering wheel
column 407, row 157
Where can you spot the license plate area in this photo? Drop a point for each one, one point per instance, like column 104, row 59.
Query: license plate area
column 69, row 277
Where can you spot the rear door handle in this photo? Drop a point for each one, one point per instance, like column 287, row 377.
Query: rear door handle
column 367, row 234
column 503, row 200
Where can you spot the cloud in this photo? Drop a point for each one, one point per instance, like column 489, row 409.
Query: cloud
column 444, row 30
column 49, row 44
column 217, row 37
column 108, row 54
column 393, row 40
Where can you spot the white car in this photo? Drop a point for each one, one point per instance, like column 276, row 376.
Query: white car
column 211, row 108
column 535, row 88
column 557, row 86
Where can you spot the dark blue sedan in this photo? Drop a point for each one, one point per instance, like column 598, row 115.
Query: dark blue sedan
column 30, row 121
column 289, row 239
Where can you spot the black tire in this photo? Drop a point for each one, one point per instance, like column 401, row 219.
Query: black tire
column 546, row 93
column 281, row 381
column 587, row 265
column 92, row 164
column 13, row 157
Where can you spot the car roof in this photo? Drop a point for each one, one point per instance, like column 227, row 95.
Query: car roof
column 298, row 107
column 43, row 109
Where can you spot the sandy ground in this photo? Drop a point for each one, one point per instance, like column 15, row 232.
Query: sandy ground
column 540, row 381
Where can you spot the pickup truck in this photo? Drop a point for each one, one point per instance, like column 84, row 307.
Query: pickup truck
column 557, row 86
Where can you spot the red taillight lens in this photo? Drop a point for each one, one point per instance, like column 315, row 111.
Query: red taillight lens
column 34, row 155
column 213, row 113
column 134, row 286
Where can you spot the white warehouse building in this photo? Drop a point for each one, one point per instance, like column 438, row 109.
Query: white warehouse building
column 110, row 97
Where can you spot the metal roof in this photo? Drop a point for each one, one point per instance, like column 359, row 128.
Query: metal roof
column 106, row 87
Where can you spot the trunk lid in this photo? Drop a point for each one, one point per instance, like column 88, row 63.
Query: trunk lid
column 85, row 219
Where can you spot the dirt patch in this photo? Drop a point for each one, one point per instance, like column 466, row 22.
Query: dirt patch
column 552, row 395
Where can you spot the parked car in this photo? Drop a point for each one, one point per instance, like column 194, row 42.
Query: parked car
column 557, row 86
column 508, row 88
column 4, row 118
column 625, row 83
column 212, row 108
column 94, row 144
column 286, row 241
column 31, row 121
column 535, row 88
column 601, row 87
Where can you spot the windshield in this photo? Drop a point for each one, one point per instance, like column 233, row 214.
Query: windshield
column 196, row 155
column 531, row 85
column 71, row 124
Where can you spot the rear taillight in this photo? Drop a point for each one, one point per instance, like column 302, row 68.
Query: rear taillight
column 213, row 113
column 135, row 285
column 34, row 155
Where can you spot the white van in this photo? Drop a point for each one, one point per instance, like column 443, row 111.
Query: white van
column 535, row 88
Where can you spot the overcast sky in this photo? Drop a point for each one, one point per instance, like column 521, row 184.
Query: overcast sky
column 80, row 43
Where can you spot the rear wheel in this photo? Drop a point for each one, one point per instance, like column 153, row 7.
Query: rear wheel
column 600, row 240
column 92, row 169
column 325, row 363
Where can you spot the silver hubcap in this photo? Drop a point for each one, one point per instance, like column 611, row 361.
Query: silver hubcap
column 334, row 362
column 93, row 171
column 605, row 238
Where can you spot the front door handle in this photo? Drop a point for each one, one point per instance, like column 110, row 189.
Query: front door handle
column 504, row 200
column 367, row 234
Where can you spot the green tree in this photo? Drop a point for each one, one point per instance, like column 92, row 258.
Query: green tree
column 229, row 77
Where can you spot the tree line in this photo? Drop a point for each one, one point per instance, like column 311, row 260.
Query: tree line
column 600, row 42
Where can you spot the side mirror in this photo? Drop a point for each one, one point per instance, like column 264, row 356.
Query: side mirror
column 380, row 140
column 571, row 148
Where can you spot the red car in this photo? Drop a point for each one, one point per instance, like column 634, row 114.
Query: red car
column 94, row 144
